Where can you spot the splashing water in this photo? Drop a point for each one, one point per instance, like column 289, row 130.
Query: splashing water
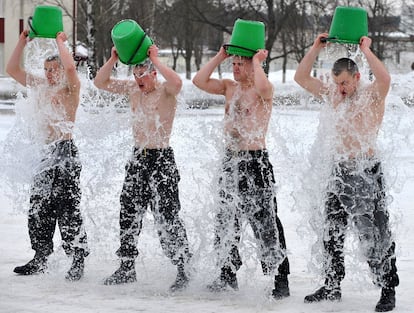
column 103, row 134
column 324, row 153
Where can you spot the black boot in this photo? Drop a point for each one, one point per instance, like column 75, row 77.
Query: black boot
column 124, row 274
column 227, row 278
column 281, row 287
column 181, row 281
column 324, row 293
column 35, row 266
column 387, row 301
column 76, row 270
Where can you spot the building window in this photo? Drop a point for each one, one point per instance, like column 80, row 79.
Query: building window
column 1, row 58
column 1, row 29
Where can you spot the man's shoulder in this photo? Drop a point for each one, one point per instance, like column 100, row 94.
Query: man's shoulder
column 63, row 91
column 230, row 83
column 371, row 91
column 131, row 90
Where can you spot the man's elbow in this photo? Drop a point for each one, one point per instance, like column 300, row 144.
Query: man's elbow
column 175, row 88
column 11, row 70
column 197, row 82
column 296, row 78
column 179, row 84
column 301, row 80
column 265, row 91
column 387, row 79
column 98, row 83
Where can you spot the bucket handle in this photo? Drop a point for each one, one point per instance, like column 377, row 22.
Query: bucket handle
column 240, row 47
column 137, row 49
column 29, row 21
column 325, row 39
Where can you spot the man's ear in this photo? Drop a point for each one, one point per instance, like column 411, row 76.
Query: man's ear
column 358, row 75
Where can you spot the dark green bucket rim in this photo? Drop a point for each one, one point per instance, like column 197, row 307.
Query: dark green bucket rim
column 337, row 40
column 133, row 55
column 249, row 52
column 33, row 33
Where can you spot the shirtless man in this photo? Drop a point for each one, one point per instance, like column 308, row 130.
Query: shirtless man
column 151, row 174
column 246, row 184
column 55, row 193
column 356, row 189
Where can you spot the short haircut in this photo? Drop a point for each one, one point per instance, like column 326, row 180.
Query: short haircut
column 146, row 64
column 52, row 58
column 242, row 57
column 344, row 64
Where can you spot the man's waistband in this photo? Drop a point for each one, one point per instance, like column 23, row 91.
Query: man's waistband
column 153, row 152
column 359, row 165
column 60, row 142
column 247, row 153
column 65, row 148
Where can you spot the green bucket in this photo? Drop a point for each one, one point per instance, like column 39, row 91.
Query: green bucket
column 348, row 25
column 247, row 37
column 131, row 42
column 46, row 22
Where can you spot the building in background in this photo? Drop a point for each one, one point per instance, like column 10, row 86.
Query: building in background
column 13, row 19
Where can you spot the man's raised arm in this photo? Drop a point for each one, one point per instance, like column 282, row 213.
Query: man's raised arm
column 103, row 78
column 203, row 80
column 13, row 67
column 303, row 72
column 382, row 77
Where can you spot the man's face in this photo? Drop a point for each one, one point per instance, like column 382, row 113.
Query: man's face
column 241, row 68
column 346, row 83
column 145, row 78
column 53, row 72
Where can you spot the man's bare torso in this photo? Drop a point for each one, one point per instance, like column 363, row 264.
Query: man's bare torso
column 246, row 119
column 152, row 117
column 58, row 108
column 358, row 120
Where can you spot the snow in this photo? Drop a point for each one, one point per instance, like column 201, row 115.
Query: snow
column 104, row 143
column 81, row 50
column 9, row 87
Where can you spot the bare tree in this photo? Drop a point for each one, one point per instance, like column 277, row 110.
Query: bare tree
column 274, row 13
column 407, row 17
column 380, row 22
column 90, row 38
column 103, row 15
column 189, row 26
column 182, row 31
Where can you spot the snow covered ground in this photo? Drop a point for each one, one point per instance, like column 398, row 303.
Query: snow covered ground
column 104, row 142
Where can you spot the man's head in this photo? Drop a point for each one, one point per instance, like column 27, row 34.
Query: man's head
column 53, row 70
column 145, row 75
column 346, row 76
column 242, row 68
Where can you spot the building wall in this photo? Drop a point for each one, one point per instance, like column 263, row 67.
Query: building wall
column 15, row 14
column 2, row 33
